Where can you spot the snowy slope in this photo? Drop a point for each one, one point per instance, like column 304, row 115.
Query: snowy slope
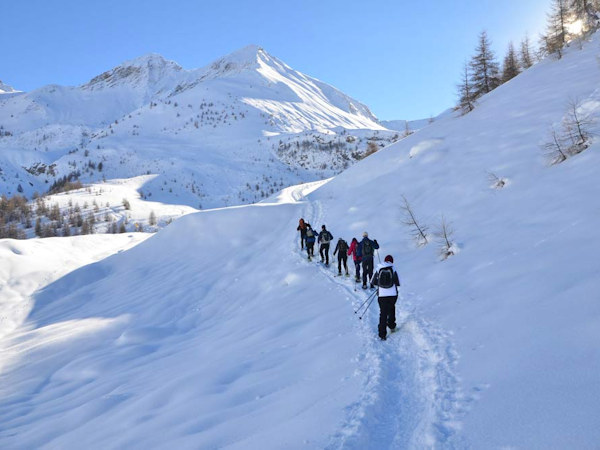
column 218, row 333
column 148, row 115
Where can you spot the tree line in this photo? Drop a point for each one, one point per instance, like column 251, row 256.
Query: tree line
column 567, row 20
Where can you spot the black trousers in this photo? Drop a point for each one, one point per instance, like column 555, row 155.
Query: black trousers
column 324, row 249
column 344, row 259
column 310, row 248
column 302, row 240
column 387, row 314
column 367, row 265
column 357, row 267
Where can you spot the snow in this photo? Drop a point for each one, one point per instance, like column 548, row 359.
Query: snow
column 216, row 332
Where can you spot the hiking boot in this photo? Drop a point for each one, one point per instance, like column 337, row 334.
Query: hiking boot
column 384, row 338
column 364, row 286
column 339, row 272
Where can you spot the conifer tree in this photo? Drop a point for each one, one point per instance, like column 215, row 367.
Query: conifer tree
column 484, row 68
column 525, row 56
column 466, row 95
column 510, row 68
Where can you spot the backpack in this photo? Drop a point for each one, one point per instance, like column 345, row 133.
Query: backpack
column 367, row 248
column 309, row 233
column 326, row 239
column 343, row 247
column 386, row 277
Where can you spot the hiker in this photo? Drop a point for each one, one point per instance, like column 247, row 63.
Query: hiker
column 342, row 251
column 302, row 229
column 325, row 237
column 353, row 251
column 387, row 280
column 311, row 236
column 366, row 250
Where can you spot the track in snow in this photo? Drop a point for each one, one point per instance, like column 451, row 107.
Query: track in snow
column 410, row 396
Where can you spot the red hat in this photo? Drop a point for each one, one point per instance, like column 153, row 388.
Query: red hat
column 389, row 259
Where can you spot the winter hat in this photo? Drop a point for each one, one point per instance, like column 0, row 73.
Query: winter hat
column 322, row 227
column 389, row 259
column 365, row 234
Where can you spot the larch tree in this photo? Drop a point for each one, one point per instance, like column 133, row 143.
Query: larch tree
column 510, row 67
column 525, row 56
column 466, row 95
column 556, row 29
column 485, row 70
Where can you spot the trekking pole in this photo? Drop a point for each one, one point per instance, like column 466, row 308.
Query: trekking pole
column 363, row 303
column 377, row 250
column 365, row 311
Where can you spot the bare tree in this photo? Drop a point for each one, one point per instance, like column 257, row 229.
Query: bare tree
column 555, row 148
column 444, row 235
column 418, row 230
column 466, row 94
column 497, row 182
column 576, row 125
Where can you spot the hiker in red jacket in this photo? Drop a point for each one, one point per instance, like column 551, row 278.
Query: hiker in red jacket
column 357, row 259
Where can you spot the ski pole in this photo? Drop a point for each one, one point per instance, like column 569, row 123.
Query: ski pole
column 365, row 311
column 363, row 303
column 377, row 250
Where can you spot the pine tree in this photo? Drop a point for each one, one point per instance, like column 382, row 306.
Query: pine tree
column 525, row 56
column 466, row 95
column 484, row 68
column 510, row 68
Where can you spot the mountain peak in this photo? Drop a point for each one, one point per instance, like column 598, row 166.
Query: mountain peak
column 6, row 89
column 147, row 69
column 244, row 58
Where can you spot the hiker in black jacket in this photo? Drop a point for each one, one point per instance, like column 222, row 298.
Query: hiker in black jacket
column 387, row 280
column 342, row 251
column 325, row 237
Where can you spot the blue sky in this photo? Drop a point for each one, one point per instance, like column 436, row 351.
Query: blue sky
column 403, row 59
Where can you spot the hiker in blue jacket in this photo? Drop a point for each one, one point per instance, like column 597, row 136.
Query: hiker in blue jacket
column 366, row 251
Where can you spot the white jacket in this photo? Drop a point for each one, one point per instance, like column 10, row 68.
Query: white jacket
column 386, row 292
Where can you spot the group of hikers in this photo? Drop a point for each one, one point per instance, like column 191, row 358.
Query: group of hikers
column 385, row 278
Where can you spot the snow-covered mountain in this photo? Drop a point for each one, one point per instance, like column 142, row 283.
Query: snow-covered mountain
column 257, row 120
column 217, row 332
column 6, row 89
column 410, row 126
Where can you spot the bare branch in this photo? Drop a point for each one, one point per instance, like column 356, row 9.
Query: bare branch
column 419, row 231
column 444, row 233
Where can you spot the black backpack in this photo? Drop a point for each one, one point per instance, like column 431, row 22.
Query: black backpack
column 343, row 247
column 367, row 248
column 386, row 277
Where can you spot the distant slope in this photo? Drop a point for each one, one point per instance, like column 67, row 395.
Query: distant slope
column 211, row 134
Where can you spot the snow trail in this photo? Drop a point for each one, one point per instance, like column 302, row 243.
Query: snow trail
column 410, row 396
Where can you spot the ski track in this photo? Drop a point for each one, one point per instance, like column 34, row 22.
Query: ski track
column 410, row 397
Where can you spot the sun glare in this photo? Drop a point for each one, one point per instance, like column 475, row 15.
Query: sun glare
column 576, row 27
